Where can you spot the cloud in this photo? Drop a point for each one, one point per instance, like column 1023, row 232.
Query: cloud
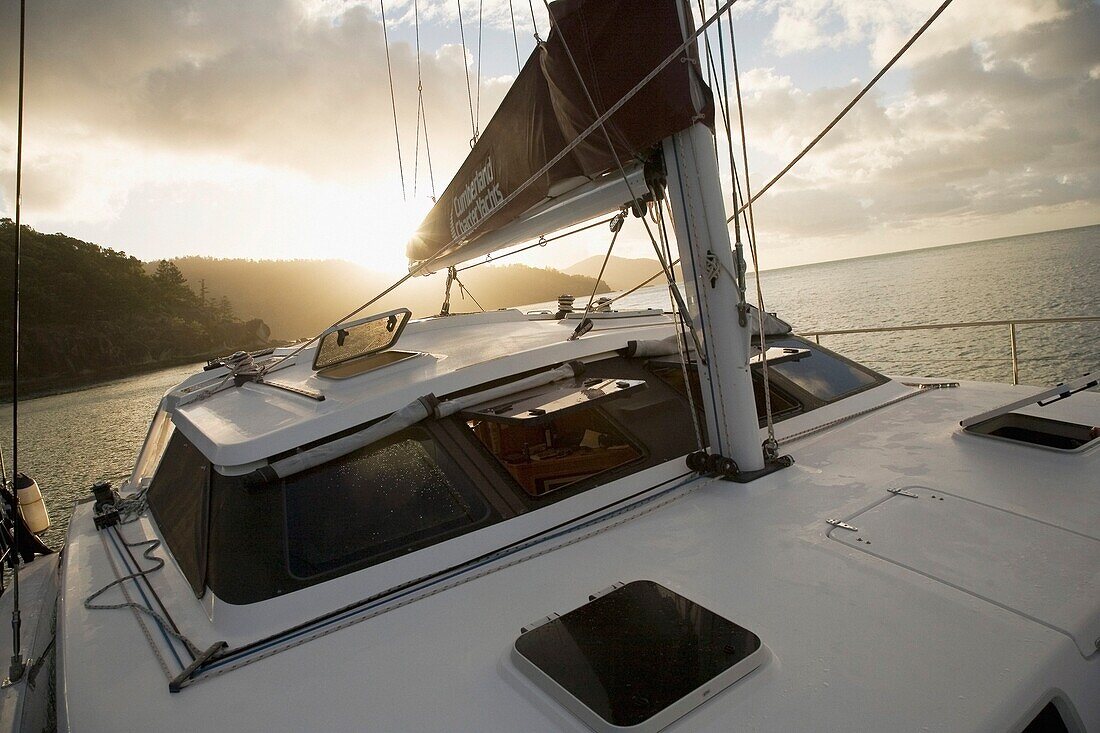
column 986, row 129
column 270, row 83
column 804, row 25
column 145, row 117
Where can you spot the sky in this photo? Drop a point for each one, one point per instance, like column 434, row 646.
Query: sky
column 265, row 128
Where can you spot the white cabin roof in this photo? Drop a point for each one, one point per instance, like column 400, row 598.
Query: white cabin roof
column 238, row 426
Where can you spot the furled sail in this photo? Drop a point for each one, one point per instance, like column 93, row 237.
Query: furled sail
column 615, row 44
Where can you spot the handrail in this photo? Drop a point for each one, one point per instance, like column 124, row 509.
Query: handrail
column 1011, row 323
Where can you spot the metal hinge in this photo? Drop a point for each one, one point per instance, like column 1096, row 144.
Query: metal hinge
column 605, row 591
column 903, row 492
column 842, row 525
column 538, row 622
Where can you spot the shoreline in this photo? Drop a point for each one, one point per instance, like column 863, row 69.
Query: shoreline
column 51, row 386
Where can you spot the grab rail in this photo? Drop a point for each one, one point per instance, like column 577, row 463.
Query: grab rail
column 1011, row 323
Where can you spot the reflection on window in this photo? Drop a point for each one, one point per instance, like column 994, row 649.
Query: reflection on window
column 379, row 502
column 556, row 453
column 672, row 374
column 824, row 375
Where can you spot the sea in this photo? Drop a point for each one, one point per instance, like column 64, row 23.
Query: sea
column 70, row 440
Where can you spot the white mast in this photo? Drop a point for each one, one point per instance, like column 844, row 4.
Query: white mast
column 699, row 220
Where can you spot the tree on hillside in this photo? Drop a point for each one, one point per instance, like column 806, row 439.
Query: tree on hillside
column 223, row 311
column 172, row 285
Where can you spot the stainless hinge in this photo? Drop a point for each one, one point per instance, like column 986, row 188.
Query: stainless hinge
column 538, row 622
column 903, row 492
column 605, row 591
column 842, row 525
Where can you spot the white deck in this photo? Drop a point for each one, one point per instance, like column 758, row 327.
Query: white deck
column 921, row 630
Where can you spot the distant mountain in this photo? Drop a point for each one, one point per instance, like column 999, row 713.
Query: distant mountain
column 622, row 273
column 89, row 313
column 298, row 298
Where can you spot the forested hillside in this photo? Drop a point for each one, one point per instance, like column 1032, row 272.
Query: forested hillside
column 89, row 313
column 298, row 298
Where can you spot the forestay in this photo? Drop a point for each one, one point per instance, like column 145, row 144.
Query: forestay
column 615, row 44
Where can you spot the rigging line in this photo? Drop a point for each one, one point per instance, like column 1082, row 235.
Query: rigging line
column 463, row 289
column 855, row 100
column 542, row 242
column 424, row 264
column 480, row 47
column 681, row 339
column 419, row 97
column 615, row 229
column 427, row 147
column 418, row 584
column 16, row 669
column 466, row 68
column 645, row 282
column 515, row 37
column 421, row 110
column 760, row 313
column 534, row 25
column 393, row 98
column 600, row 119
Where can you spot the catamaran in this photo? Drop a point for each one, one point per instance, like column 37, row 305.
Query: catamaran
column 580, row 519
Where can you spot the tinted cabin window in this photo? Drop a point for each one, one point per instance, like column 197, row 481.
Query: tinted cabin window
column 379, row 502
column 672, row 374
column 178, row 498
column 824, row 375
column 559, row 452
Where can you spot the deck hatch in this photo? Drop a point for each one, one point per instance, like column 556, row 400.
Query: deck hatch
column 1035, row 430
column 637, row 658
column 1044, row 573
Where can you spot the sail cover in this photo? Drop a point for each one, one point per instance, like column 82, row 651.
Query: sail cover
column 615, row 44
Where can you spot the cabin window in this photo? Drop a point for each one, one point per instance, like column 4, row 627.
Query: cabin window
column 824, row 375
column 672, row 374
column 382, row 501
column 178, row 498
column 557, row 452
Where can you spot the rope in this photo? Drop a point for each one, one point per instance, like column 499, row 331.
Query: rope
column 393, row 98
column 464, row 291
column 463, row 574
column 133, row 606
column 681, row 342
column 616, row 227
column 15, row 670
column 531, row 5
column 831, row 125
column 466, row 68
column 600, row 119
column 480, row 23
column 542, row 242
column 718, row 401
column 515, row 37
column 158, row 563
column 421, row 111
column 424, row 264
column 645, row 282
column 765, row 369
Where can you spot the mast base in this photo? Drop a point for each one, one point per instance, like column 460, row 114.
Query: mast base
column 771, row 465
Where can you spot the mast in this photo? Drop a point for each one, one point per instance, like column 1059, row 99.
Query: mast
column 713, row 296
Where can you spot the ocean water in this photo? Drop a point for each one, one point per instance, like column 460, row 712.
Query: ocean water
column 68, row 441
